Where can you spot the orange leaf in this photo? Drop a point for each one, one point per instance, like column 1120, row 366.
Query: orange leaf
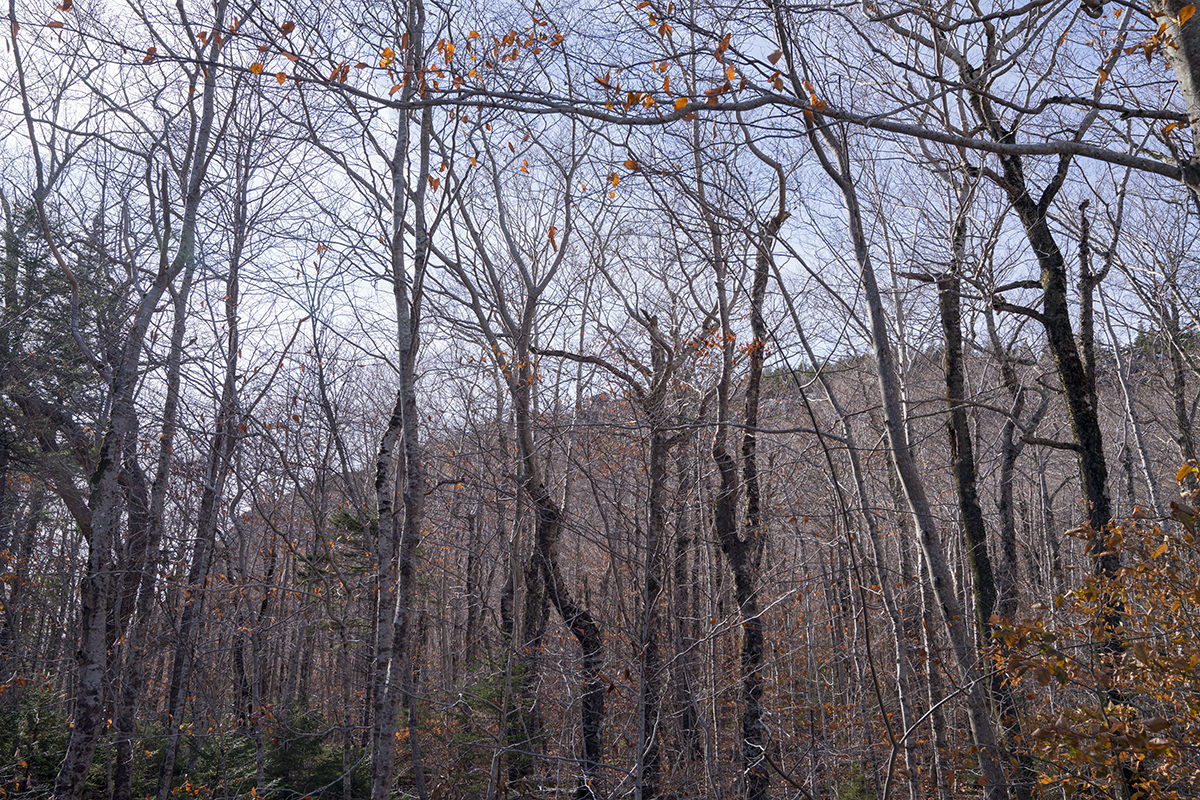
column 393, row 90
column 1186, row 13
column 56, row 25
column 287, row 27
column 554, row 244
column 434, row 182
column 150, row 54
column 680, row 102
column 256, row 68
column 280, row 77
column 630, row 164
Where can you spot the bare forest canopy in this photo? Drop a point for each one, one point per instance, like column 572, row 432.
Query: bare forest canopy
column 662, row 399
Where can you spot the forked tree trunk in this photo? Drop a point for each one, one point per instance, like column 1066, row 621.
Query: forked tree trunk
column 743, row 544
column 548, row 519
column 1055, row 317
column 220, row 454
column 391, row 684
column 93, row 667
column 141, row 593
column 995, row 782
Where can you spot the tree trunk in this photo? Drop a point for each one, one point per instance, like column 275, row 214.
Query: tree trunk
column 1182, row 50
column 961, row 452
column 547, row 530
column 1184, row 438
column 406, row 289
column 743, row 549
column 1131, row 411
column 220, row 454
column 653, row 577
column 141, row 591
column 683, row 665
column 995, row 782
column 106, row 493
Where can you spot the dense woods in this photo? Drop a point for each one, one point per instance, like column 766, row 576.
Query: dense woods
column 657, row 399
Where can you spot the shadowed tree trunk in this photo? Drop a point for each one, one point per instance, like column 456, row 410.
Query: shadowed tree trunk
column 511, row 352
column 961, row 453
column 988, row 608
column 683, row 665
column 220, row 454
column 548, row 518
column 140, row 591
column 743, row 545
column 1055, row 317
column 391, row 684
column 122, row 376
column 994, row 780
